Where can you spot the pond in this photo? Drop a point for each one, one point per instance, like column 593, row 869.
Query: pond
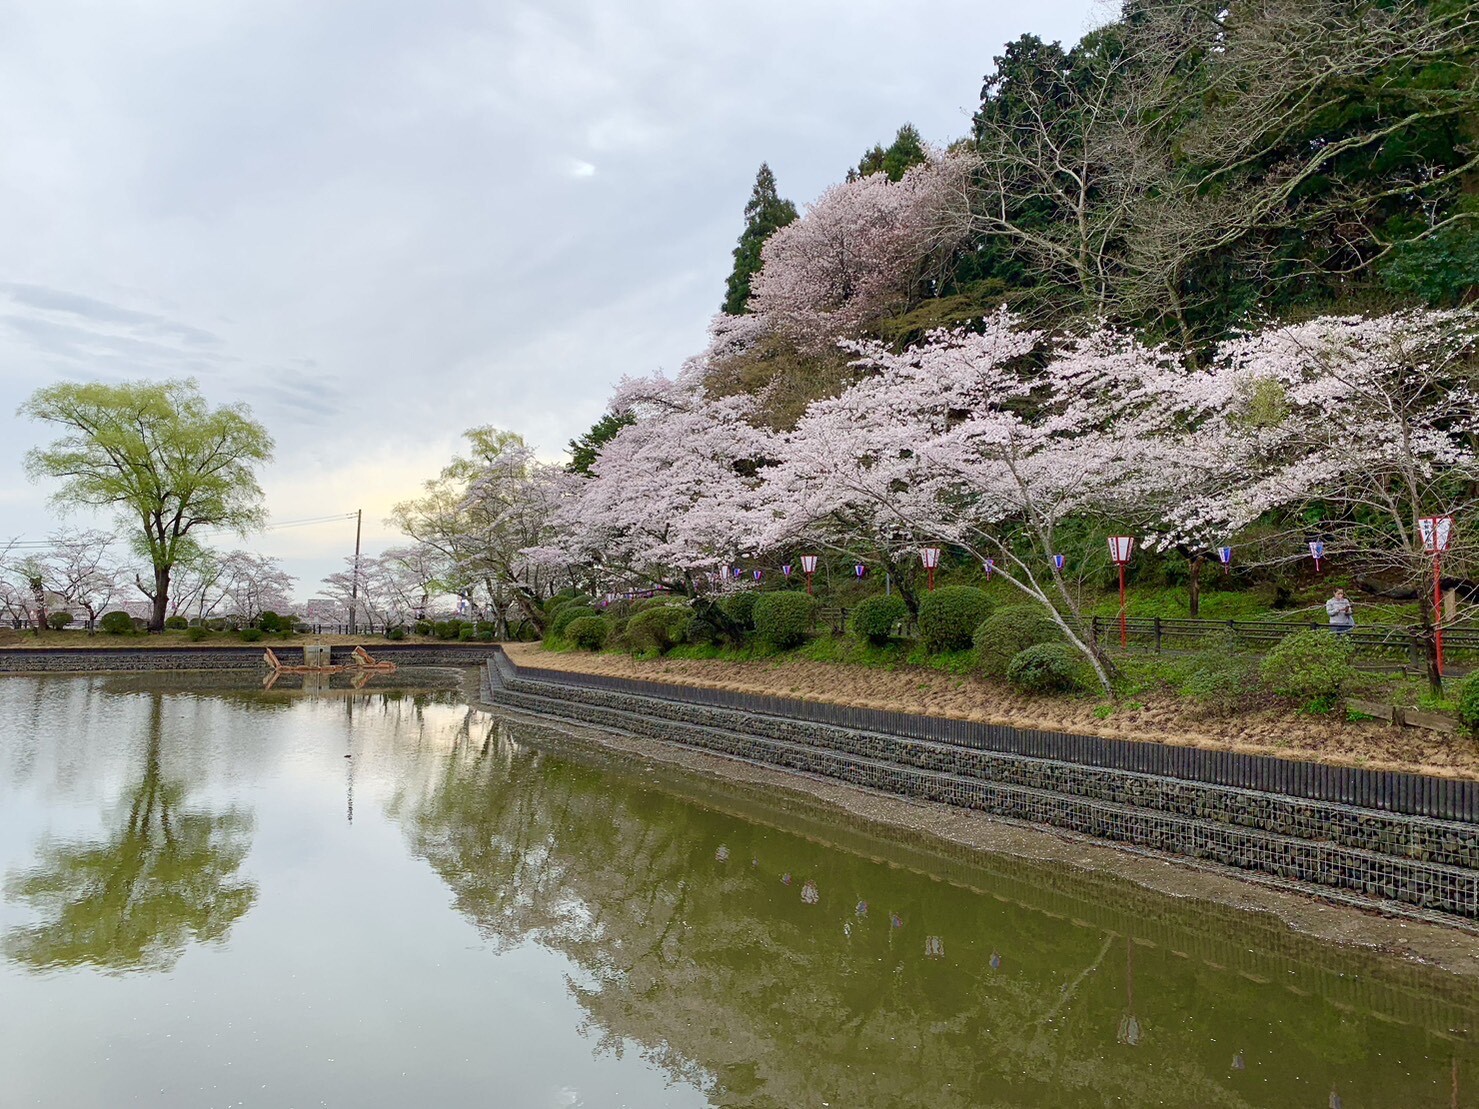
column 381, row 897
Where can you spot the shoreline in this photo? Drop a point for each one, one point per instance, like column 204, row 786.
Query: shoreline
column 1446, row 943
column 1280, row 734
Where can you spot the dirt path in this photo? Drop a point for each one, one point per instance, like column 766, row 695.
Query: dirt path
column 1161, row 720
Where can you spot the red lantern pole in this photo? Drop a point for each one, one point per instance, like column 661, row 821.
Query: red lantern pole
column 1438, row 608
column 1120, row 549
column 1124, row 632
column 1436, row 531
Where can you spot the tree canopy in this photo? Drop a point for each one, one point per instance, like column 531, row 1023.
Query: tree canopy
column 158, row 454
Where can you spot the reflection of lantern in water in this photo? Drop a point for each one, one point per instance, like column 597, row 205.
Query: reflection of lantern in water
column 862, row 909
column 895, row 920
column 786, row 878
column 723, row 853
column 996, row 960
column 934, row 947
column 810, row 893
column 1238, row 1063
column 1129, row 1029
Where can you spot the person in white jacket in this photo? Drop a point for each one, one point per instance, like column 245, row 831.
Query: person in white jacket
column 1342, row 618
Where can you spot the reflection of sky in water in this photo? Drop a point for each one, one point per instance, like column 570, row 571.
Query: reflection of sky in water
column 503, row 925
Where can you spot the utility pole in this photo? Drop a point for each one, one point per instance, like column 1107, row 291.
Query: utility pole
column 359, row 514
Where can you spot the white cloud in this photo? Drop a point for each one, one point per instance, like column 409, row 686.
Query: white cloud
column 382, row 223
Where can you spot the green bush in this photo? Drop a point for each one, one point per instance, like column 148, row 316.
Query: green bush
column 447, row 629
column 740, row 607
column 589, row 632
column 250, row 635
column 1045, row 668
column 395, row 634
column 468, row 634
column 659, row 629
column 486, row 636
column 1310, row 666
column 783, row 619
column 875, row 617
column 567, row 615
column 1008, row 632
column 56, row 621
column 1221, row 678
column 196, row 633
column 1468, row 704
column 424, row 627
column 270, row 621
column 565, row 600
column 949, row 617
column 117, row 623
column 176, row 624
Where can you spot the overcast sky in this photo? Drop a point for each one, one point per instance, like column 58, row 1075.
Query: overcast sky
column 382, row 222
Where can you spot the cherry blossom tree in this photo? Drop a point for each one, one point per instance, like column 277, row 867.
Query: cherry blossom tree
column 672, row 494
column 866, row 248
column 1356, row 427
column 81, row 568
column 254, row 584
column 481, row 514
column 988, row 440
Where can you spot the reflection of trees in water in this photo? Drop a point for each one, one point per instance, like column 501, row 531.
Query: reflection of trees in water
column 166, row 876
column 725, row 977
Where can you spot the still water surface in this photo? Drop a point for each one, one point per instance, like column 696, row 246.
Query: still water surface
column 205, row 903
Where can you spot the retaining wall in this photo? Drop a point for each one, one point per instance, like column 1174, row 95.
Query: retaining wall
column 128, row 660
column 1334, row 847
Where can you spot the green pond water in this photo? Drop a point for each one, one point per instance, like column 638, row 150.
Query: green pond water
column 205, row 903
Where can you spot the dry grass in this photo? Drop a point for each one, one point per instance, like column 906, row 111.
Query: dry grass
column 1153, row 719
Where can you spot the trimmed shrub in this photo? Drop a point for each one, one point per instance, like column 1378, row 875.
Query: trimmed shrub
column 1222, row 678
column 1008, row 632
column 250, row 635
column 1310, row 666
column 197, row 633
column 1045, row 668
column 176, row 624
column 117, row 623
column 270, row 621
column 447, row 629
column 424, row 627
column 564, row 600
column 567, row 615
column 468, row 634
column 875, row 617
column 1468, row 704
column 395, row 634
column 588, row 633
column 56, row 621
column 949, row 617
column 486, row 635
column 659, row 629
column 741, row 609
column 783, row 619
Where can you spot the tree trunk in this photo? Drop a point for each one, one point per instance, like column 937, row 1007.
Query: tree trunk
column 1194, row 587
column 38, row 591
column 161, row 598
column 1431, row 616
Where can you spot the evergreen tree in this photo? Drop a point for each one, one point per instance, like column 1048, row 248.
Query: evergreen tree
column 906, row 150
column 765, row 214
column 585, row 450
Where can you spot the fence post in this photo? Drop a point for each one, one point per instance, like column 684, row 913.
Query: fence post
column 1157, row 635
